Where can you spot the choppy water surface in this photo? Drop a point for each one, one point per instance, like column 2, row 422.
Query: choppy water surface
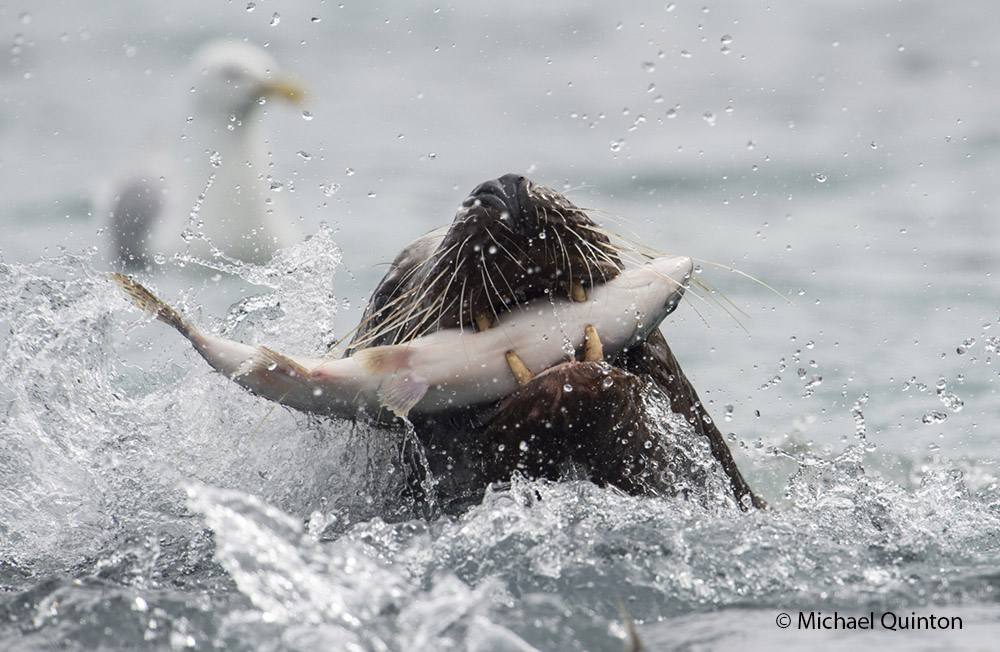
column 845, row 156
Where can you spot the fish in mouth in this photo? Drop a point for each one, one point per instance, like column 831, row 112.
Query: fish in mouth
column 449, row 369
column 514, row 340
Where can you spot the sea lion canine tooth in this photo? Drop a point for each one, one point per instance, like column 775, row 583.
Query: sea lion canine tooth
column 451, row 368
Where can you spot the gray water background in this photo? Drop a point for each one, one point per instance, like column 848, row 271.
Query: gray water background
column 845, row 154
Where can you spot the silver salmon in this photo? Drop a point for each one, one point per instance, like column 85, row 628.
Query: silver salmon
column 447, row 369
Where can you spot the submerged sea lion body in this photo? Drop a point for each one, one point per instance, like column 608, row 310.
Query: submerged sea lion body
column 511, row 242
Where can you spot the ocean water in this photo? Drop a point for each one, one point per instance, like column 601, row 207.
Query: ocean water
column 845, row 156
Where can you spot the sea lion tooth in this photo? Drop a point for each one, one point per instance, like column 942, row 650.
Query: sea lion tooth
column 578, row 293
column 520, row 370
column 593, row 350
column 484, row 320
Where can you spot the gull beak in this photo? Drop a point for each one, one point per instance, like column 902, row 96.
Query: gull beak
column 284, row 88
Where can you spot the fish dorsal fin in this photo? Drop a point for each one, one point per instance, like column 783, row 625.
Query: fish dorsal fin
column 401, row 388
column 269, row 360
column 383, row 359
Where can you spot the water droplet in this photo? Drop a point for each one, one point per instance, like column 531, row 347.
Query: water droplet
column 349, row 172
column 709, row 117
column 728, row 415
column 305, row 155
column 934, row 416
column 306, row 115
column 251, row 6
column 541, row 235
column 276, row 186
column 951, row 401
column 215, row 159
column 686, row 54
column 670, row 7
column 727, row 39
column 607, row 382
column 315, row 19
column 567, row 388
column 371, row 194
column 275, row 19
column 820, row 177
column 616, row 145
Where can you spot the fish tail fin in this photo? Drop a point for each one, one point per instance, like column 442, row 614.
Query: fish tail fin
column 402, row 389
column 151, row 303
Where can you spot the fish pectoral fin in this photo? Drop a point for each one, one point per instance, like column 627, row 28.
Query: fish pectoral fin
column 267, row 360
column 401, row 389
column 402, row 392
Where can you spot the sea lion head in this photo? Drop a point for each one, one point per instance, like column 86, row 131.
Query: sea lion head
column 511, row 241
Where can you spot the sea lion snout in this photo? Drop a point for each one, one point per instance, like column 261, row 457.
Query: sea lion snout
column 508, row 195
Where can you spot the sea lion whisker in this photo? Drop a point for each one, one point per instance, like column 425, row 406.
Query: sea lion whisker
column 619, row 220
column 583, row 256
column 395, row 319
column 414, row 328
column 419, row 267
column 515, row 259
column 510, row 290
column 707, row 297
column 611, row 236
column 487, row 280
column 711, row 290
column 400, row 315
column 745, row 275
column 599, row 253
column 568, row 265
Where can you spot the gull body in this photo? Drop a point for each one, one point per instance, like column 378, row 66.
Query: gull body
column 207, row 182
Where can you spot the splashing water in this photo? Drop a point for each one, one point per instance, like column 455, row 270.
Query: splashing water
column 149, row 503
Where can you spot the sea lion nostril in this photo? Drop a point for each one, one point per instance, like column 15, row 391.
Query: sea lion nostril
column 508, row 193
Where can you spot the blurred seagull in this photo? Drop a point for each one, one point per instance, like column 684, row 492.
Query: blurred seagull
column 214, row 190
